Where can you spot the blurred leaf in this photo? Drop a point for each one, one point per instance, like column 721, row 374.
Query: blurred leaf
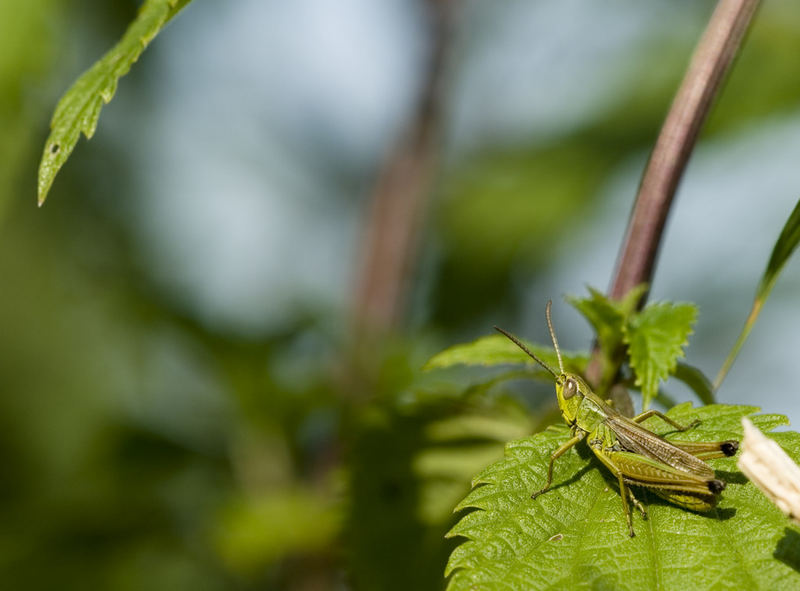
column 79, row 109
column 23, row 65
column 665, row 399
column 575, row 535
column 444, row 474
column 655, row 338
column 385, row 520
column 407, row 471
column 490, row 426
column 502, row 214
column 254, row 533
column 499, row 350
column 783, row 249
column 511, row 202
column 763, row 56
column 696, row 380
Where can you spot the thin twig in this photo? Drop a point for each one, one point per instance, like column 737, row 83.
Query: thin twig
column 398, row 203
column 711, row 61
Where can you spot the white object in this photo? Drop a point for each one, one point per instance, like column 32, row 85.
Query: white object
column 769, row 467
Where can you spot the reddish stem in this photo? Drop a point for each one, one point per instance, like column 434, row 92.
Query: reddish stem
column 710, row 62
column 701, row 84
column 398, row 203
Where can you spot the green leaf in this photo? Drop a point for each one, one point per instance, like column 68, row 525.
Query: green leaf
column 655, row 338
column 406, row 470
column 607, row 316
column 494, row 350
column 255, row 532
column 783, row 249
column 79, row 108
column 696, row 380
column 575, row 536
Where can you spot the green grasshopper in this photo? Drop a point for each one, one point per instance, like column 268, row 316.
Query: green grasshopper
column 674, row 470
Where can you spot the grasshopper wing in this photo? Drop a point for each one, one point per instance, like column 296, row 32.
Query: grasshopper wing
column 635, row 438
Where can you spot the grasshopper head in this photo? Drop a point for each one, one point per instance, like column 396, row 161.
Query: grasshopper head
column 570, row 390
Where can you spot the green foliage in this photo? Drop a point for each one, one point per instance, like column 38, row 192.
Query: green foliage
column 406, row 472
column 772, row 36
column 22, row 64
column 696, row 380
column 784, row 248
column 575, row 537
column 609, row 319
column 175, row 500
column 652, row 339
column 256, row 532
column 494, row 350
column 655, row 338
column 79, row 109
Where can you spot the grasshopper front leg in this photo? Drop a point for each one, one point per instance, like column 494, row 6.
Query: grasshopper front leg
column 557, row 454
column 603, row 443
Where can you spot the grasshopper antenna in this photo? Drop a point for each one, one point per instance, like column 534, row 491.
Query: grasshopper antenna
column 553, row 334
column 522, row 346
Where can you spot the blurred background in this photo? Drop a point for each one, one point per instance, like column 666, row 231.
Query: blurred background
column 189, row 398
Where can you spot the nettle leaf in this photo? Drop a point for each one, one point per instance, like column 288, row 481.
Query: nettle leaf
column 655, row 338
column 575, row 536
column 494, row 350
column 607, row 316
column 79, row 108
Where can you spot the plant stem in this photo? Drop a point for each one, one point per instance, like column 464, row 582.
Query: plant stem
column 701, row 84
column 709, row 64
column 397, row 206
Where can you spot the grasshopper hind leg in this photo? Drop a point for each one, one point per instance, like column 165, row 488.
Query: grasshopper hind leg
column 637, row 504
column 626, row 493
column 678, row 427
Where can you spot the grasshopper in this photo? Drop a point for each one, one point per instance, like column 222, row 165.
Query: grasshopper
column 674, row 470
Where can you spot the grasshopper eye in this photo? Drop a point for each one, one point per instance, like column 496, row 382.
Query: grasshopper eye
column 570, row 388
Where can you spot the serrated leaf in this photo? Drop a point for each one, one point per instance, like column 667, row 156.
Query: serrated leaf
column 655, row 338
column 498, row 350
column 608, row 319
column 784, row 248
column 607, row 316
column 79, row 108
column 575, row 536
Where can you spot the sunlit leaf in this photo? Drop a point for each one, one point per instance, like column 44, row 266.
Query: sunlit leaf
column 498, row 350
column 575, row 536
column 608, row 319
column 607, row 316
column 655, row 338
column 79, row 108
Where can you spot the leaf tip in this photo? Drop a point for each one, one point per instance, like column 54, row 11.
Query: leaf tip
column 42, row 196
